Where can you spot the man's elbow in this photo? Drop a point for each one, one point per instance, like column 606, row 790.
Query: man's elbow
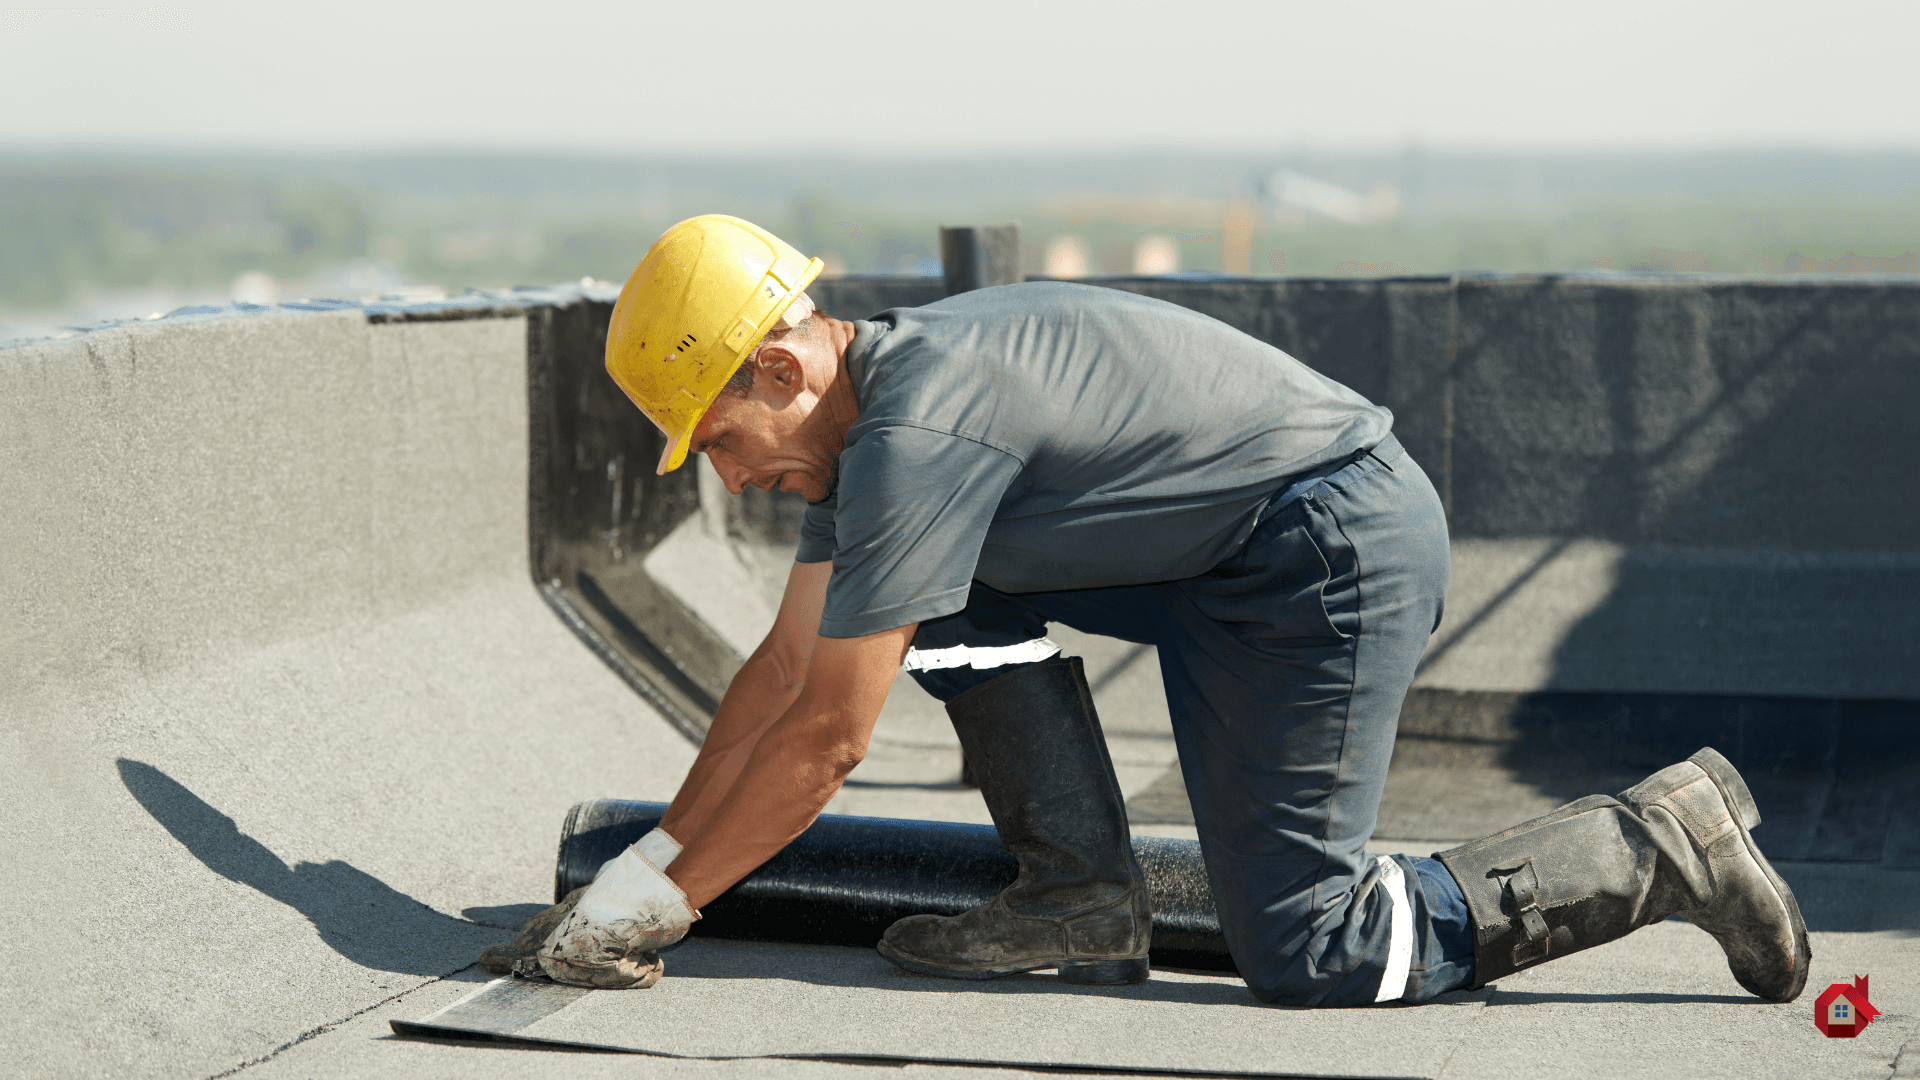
column 833, row 749
column 844, row 755
column 784, row 667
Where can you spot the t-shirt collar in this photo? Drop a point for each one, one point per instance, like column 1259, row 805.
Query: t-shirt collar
column 865, row 333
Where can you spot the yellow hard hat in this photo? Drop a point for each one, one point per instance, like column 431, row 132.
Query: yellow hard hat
column 709, row 289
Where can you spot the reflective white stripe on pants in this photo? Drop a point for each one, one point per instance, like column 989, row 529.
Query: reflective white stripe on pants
column 979, row 659
column 1400, row 950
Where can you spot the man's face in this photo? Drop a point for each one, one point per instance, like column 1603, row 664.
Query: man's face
column 765, row 439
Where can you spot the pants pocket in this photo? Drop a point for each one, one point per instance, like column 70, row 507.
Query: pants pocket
column 1277, row 591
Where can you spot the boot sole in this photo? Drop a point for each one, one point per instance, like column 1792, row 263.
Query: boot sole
column 1123, row 972
column 1746, row 815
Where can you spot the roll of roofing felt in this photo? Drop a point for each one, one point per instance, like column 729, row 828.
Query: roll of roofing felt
column 847, row 879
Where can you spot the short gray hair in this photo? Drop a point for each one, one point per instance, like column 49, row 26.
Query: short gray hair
column 741, row 384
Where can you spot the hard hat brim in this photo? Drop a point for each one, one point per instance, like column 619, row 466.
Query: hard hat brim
column 675, row 454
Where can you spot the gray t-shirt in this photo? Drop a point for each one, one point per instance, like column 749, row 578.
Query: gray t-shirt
column 1047, row 436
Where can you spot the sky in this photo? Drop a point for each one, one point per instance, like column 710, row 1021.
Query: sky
column 895, row 79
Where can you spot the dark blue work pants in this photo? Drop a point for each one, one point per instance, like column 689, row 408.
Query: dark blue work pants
column 1285, row 669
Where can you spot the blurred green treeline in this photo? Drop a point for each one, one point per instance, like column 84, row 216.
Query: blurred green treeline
column 79, row 225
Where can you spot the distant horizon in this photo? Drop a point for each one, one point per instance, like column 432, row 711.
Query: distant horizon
column 414, row 148
column 976, row 183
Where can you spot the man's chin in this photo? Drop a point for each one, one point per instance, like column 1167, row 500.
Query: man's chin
column 806, row 485
column 792, row 485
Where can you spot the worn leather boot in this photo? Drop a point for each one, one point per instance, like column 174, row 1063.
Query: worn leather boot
column 1080, row 902
column 1594, row 870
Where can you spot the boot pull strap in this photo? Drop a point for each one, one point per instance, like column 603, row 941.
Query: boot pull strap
column 1522, row 885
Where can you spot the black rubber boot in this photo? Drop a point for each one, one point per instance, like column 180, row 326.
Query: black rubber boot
column 1594, row 870
column 1080, row 902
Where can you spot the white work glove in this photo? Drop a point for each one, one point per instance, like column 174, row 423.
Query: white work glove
column 631, row 909
column 657, row 848
column 521, row 956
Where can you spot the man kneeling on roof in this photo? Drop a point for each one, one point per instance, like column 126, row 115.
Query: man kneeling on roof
column 1051, row 452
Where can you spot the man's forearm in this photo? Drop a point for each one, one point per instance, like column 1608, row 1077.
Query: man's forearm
column 788, row 777
column 796, row 765
column 762, row 690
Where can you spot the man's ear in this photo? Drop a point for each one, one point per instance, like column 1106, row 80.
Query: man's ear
column 781, row 377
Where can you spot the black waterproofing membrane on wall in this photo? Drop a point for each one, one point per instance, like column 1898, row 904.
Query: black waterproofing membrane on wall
column 847, row 879
column 1674, row 415
column 1679, row 412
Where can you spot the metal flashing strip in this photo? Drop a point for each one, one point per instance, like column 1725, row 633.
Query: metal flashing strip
column 504, row 1007
column 468, row 304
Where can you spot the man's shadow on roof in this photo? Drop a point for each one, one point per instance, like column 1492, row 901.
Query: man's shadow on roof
column 356, row 914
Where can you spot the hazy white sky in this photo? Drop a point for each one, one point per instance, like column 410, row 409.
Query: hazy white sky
column 903, row 78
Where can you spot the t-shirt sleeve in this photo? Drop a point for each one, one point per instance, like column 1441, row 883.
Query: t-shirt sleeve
column 913, row 510
column 816, row 532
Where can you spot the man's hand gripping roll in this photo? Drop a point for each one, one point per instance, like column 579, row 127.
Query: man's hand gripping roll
column 604, row 935
column 632, row 908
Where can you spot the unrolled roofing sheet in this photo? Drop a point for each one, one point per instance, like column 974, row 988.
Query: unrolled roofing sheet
column 726, row 999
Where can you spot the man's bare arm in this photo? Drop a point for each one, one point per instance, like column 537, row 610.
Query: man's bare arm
column 797, row 765
column 760, row 692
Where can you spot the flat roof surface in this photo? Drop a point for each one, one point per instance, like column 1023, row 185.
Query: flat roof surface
column 289, row 735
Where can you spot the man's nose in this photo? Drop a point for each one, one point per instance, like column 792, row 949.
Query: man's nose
column 729, row 472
